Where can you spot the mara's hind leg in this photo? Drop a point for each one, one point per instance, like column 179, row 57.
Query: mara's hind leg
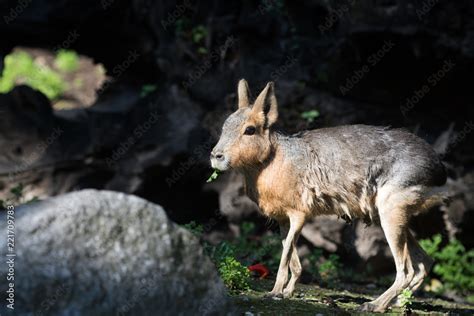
column 394, row 215
column 421, row 263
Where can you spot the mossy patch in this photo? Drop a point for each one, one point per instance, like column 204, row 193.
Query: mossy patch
column 312, row 300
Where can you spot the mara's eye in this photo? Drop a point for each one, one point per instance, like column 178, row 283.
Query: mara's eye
column 250, row 130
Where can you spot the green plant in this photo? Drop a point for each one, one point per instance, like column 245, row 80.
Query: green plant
column 314, row 258
column 199, row 33
column 147, row 89
column 245, row 244
column 17, row 191
column 247, row 247
column 181, row 25
column 213, row 176
column 327, row 269
column 271, row 251
column 194, row 228
column 405, row 299
column 246, row 229
column 454, row 265
column 67, row 60
column 431, row 246
column 219, row 252
column 310, row 116
column 202, row 50
column 20, row 68
column 17, row 197
column 234, row 274
column 251, row 250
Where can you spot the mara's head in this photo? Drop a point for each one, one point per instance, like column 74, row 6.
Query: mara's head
column 246, row 135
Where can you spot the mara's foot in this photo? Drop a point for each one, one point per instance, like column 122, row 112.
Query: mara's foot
column 287, row 293
column 371, row 307
column 272, row 294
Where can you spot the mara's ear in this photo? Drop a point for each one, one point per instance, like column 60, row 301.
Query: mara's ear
column 243, row 92
column 265, row 108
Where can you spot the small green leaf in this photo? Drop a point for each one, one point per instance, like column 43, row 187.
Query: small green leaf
column 406, row 299
column 310, row 115
column 213, row 176
column 199, row 33
column 17, row 191
column 67, row 60
column 202, row 50
column 194, row 228
column 147, row 89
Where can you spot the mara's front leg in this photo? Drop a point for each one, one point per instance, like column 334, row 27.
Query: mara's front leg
column 295, row 269
column 296, row 222
column 280, row 282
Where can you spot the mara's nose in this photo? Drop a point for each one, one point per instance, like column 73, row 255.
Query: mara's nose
column 217, row 155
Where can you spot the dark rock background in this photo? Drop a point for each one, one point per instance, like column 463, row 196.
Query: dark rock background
column 157, row 146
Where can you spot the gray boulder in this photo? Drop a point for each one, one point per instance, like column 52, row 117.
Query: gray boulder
column 105, row 253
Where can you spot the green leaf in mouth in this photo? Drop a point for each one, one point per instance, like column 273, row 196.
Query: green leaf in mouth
column 213, row 176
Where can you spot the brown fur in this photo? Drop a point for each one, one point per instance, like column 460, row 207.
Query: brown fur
column 272, row 189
